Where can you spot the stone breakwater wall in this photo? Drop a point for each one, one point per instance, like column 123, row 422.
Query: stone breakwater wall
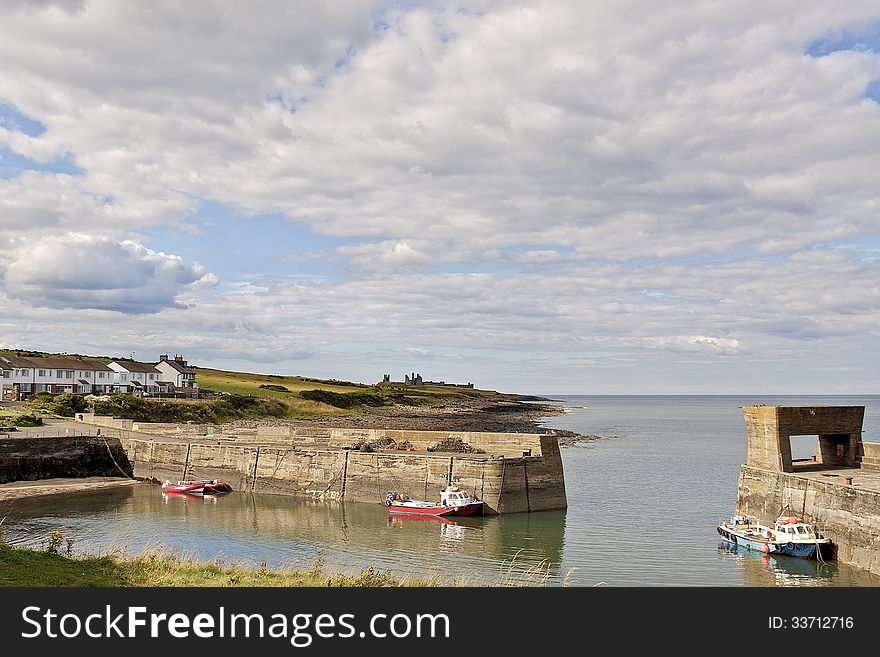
column 31, row 459
column 846, row 514
column 868, row 457
column 522, row 472
column 492, row 443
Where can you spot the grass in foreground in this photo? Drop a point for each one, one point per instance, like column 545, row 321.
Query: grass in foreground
column 26, row 567
column 40, row 568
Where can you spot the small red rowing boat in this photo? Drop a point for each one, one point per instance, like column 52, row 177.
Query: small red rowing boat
column 196, row 487
column 453, row 502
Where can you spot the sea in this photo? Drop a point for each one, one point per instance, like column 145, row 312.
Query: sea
column 644, row 499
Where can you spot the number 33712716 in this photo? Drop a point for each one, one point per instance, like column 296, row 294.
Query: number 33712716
column 812, row 622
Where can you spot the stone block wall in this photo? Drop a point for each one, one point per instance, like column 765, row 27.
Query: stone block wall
column 104, row 421
column 493, row 443
column 849, row 516
column 30, row 459
column 506, row 485
column 869, row 456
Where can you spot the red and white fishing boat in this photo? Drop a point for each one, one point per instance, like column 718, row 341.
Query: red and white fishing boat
column 211, row 487
column 453, row 502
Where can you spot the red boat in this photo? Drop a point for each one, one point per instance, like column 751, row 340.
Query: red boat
column 196, row 487
column 453, row 502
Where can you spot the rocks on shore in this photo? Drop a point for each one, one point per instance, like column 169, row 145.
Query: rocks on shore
column 499, row 413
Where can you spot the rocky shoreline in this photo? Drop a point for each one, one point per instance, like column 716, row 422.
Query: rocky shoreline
column 503, row 413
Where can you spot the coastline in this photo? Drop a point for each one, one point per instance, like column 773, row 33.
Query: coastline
column 501, row 413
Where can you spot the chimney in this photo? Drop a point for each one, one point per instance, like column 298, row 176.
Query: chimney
column 178, row 358
column 163, row 357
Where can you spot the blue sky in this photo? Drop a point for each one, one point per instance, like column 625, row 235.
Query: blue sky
column 565, row 198
column 242, row 248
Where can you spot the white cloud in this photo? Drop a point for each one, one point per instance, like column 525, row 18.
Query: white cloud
column 80, row 271
column 385, row 256
column 652, row 181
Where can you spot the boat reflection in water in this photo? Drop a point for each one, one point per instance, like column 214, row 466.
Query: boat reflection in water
column 450, row 529
column 171, row 497
column 761, row 569
column 292, row 532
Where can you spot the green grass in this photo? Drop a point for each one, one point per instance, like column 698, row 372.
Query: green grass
column 246, row 383
column 13, row 419
column 303, row 398
column 39, row 568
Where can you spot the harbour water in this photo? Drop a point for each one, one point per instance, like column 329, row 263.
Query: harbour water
column 643, row 500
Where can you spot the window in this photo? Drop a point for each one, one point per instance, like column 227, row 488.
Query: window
column 100, row 375
column 7, row 374
column 151, row 376
column 87, row 375
column 68, row 374
column 25, row 372
column 124, row 377
column 41, row 373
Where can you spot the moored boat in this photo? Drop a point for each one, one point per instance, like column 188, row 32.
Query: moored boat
column 453, row 502
column 211, row 487
column 789, row 536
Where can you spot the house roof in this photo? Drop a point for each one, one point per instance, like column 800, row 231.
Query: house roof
column 134, row 366
column 180, row 368
column 39, row 362
column 15, row 361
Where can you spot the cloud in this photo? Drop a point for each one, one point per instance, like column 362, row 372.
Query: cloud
column 439, row 135
column 587, row 184
column 80, row 271
column 385, row 256
column 697, row 343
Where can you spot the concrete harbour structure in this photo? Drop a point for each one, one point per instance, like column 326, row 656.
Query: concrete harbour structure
column 838, row 490
column 517, row 472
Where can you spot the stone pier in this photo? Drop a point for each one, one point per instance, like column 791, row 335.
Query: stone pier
column 517, row 472
column 838, row 491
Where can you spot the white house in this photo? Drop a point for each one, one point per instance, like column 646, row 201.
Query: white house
column 37, row 374
column 137, row 378
column 5, row 379
column 176, row 372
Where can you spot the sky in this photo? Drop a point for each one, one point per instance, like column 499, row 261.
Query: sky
column 627, row 197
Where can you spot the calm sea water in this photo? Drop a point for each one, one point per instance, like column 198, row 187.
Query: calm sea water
column 643, row 505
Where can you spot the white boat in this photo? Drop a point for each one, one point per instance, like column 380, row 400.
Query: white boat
column 453, row 502
column 789, row 536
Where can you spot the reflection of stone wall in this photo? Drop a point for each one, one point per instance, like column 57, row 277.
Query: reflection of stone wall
column 506, row 485
column 368, row 526
column 849, row 516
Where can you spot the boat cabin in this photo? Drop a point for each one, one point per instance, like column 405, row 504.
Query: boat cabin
column 790, row 528
column 454, row 496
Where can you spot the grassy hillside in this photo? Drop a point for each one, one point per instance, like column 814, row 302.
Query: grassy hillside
column 303, row 397
column 245, row 383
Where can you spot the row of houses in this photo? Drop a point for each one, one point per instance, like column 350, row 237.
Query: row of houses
column 22, row 376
